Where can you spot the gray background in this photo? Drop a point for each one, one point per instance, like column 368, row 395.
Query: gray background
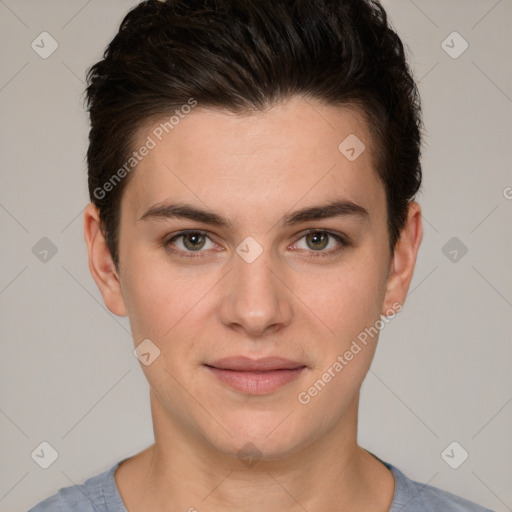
column 442, row 370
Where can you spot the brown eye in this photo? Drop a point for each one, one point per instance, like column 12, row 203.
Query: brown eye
column 194, row 241
column 317, row 240
column 188, row 242
column 317, row 243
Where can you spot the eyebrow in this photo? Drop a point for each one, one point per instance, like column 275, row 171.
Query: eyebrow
column 338, row 208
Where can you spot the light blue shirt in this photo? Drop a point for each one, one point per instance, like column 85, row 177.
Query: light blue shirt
column 100, row 494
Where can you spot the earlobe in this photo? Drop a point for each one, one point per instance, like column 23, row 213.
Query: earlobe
column 101, row 264
column 404, row 260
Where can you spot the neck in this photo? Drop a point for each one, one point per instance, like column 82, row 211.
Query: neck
column 182, row 472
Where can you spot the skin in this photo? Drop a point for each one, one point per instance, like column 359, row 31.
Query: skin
column 291, row 302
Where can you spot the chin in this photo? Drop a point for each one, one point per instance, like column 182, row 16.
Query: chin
column 262, row 436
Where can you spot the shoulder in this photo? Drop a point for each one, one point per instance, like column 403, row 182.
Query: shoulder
column 98, row 494
column 417, row 497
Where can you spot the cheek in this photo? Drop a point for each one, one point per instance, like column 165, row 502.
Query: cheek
column 147, row 306
column 160, row 299
column 350, row 306
column 148, row 290
column 348, row 300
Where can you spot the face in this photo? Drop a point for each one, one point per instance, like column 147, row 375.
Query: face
column 253, row 255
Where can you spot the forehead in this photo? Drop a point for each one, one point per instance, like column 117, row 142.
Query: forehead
column 299, row 151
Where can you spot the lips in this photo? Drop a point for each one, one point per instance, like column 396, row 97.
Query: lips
column 246, row 364
column 256, row 376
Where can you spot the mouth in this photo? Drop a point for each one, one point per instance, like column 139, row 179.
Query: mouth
column 256, row 376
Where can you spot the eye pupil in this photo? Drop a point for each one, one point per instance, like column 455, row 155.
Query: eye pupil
column 197, row 241
column 319, row 238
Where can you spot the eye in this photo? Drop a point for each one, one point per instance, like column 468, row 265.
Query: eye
column 195, row 243
column 190, row 242
column 323, row 242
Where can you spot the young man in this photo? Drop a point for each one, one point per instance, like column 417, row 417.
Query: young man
column 252, row 170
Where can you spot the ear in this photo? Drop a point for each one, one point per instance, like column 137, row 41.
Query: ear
column 404, row 260
column 101, row 263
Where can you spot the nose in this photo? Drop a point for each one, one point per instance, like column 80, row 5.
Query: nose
column 256, row 299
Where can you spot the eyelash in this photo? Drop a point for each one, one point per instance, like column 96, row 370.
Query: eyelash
column 344, row 243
